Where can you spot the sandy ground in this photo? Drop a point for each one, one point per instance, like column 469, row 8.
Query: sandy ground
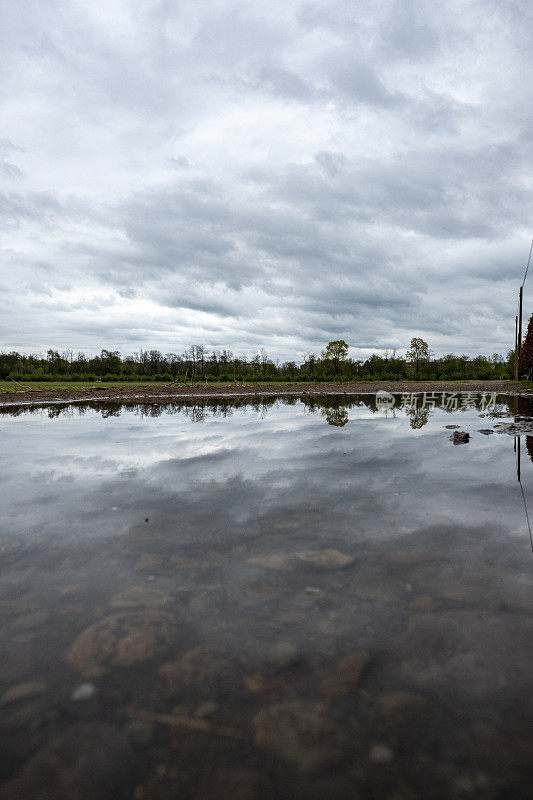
column 159, row 392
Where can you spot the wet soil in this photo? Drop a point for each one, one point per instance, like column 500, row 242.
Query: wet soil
column 162, row 392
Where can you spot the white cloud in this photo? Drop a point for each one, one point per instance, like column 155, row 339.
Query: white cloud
column 277, row 175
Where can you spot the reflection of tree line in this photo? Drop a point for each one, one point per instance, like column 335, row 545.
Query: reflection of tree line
column 334, row 408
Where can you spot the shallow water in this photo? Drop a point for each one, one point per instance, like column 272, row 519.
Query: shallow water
column 286, row 598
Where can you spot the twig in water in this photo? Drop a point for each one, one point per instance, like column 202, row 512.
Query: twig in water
column 179, row 721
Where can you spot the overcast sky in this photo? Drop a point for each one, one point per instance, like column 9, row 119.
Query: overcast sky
column 245, row 174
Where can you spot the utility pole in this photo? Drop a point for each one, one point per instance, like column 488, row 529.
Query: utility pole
column 520, row 324
column 519, row 343
column 516, row 348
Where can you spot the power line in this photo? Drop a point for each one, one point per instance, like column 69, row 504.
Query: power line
column 528, row 262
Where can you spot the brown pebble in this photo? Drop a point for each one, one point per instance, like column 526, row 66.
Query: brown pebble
column 344, row 676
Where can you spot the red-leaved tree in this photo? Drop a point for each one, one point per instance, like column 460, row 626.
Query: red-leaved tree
column 526, row 353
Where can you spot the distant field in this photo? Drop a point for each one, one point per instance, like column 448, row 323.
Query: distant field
column 16, row 386
column 155, row 387
column 20, row 386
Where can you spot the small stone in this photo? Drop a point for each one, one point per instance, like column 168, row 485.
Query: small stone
column 486, row 431
column 345, row 675
column 206, row 709
column 151, row 578
column 302, row 734
column 271, row 561
column 381, row 753
column 326, row 559
column 451, row 427
column 83, row 692
column 261, row 682
column 22, row 691
column 283, row 654
column 313, row 590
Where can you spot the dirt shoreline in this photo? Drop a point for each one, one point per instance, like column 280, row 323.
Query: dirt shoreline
column 163, row 392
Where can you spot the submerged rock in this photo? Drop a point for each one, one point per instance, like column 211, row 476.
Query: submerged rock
column 460, row 437
column 276, row 561
column 345, row 675
column 302, row 734
column 200, row 665
column 327, row 558
column 381, row 753
column 261, row 682
column 22, row 691
column 121, row 640
column 89, row 761
column 283, row 655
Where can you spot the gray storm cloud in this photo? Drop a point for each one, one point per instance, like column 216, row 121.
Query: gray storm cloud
column 248, row 175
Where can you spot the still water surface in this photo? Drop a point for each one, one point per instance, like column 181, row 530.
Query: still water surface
column 281, row 598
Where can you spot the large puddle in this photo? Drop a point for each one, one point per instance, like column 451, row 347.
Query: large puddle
column 323, row 597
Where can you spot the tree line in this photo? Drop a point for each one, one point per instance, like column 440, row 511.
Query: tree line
column 198, row 364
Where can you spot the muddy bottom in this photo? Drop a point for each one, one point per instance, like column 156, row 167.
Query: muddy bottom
column 315, row 597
